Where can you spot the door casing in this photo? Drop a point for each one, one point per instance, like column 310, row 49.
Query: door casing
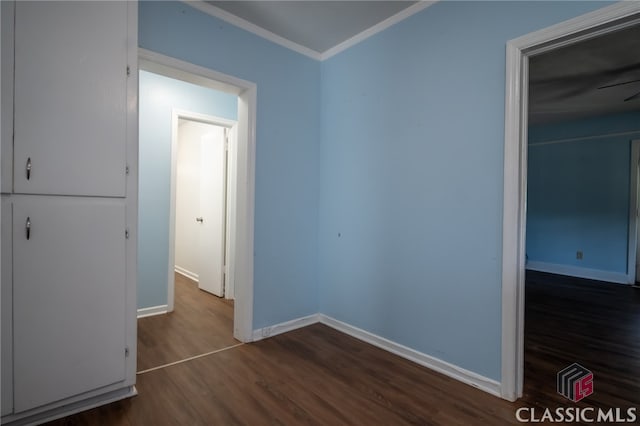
column 230, row 230
column 243, row 170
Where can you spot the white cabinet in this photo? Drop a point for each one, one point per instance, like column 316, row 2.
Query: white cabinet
column 70, row 98
column 6, row 321
column 69, row 297
column 68, row 206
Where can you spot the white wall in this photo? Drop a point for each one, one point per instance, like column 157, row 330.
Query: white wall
column 188, row 193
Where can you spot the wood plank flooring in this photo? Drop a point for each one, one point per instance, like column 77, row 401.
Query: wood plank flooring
column 318, row 376
column 589, row 322
column 200, row 323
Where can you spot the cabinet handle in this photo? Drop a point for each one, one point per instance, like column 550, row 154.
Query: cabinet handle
column 29, row 168
column 28, row 228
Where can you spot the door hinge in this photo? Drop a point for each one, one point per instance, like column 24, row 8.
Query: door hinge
column 126, row 233
column 126, row 170
column 126, row 352
column 128, row 70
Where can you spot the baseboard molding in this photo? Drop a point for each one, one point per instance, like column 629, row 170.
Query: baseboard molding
column 153, row 310
column 473, row 379
column 186, row 273
column 576, row 271
column 476, row 380
column 284, row 327
column 70, row 409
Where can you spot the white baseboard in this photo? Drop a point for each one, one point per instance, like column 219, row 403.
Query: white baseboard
column 476, row 380
column 153, row 310
column 186, row 273
column 577, row 271
column 283, row 327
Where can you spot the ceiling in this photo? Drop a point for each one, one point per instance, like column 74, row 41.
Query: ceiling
column 565, row 83
column 317, row 25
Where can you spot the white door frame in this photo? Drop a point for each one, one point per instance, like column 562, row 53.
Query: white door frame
column 599, row 22
column 633, row 212
column 244, row 173
column 230, row 197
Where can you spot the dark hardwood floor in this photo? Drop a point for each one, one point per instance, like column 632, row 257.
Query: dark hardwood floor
column 200, row 323
column 319, row 376
column 592, row 323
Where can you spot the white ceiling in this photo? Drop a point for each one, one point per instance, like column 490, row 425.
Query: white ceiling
column 317, row 25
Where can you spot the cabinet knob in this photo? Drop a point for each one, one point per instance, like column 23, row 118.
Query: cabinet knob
column 199, row 219
column 28, row 227
column 29, row 168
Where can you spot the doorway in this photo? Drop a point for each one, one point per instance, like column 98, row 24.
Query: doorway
column 240, row 186
column 200, row 183
column 603, row 21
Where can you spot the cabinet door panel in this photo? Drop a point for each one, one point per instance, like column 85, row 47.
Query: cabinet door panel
column 69, row 297
column 70, row 97
column 6, row 323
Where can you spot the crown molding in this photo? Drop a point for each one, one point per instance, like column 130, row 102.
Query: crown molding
column 212, row 10
column 379, row 27
column 232, row 19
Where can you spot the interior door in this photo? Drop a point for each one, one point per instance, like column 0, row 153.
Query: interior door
column 71, row 81
column 69, row 297
column 212, row 218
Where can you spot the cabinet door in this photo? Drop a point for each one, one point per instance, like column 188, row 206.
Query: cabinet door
column 6, row 322
column 70, row 97
column 69, row 297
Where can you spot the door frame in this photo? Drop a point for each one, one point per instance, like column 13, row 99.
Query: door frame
column 518, row 52
column 633, row 212
column 244, row 172
column 230, row 197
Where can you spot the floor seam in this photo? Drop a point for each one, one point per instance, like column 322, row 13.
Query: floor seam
column 148, row 370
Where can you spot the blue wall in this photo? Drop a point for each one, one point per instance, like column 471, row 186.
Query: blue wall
column 158, row 96
column 379, row 171
column 287, row 144
column 412, row 175
column 578, row 192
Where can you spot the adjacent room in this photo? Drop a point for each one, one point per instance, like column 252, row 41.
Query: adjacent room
column 582, row 217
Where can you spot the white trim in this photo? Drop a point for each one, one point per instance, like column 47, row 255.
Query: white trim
column 186, row 273
column 458, row 373
column 232, row 19
column 632, row 238
column 578, row 271
column 584, row 138
column 231, row 182
column 153, row 310
column 379, row 27
column 245, row 172
column 284, row 327
column 461, row 374
column 587, row 26
column 71, row 408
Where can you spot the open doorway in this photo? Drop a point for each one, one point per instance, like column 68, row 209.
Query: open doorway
column 202, row 201
column 195, row 212
column 601, row 22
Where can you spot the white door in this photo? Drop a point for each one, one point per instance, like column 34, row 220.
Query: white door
column 70, row 98
column 69, row 297
column 212, row 210
column 201, row 204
